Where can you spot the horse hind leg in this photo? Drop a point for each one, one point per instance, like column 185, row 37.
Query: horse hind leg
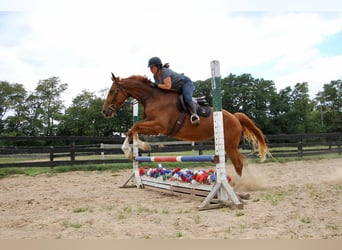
column 239, row 162
column 237, row 159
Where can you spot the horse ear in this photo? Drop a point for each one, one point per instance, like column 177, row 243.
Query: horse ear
column 113, row 77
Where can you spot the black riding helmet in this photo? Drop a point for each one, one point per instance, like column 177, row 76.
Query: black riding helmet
column 154, row 61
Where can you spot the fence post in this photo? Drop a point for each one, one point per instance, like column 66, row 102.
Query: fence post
column 51, row 153
column 200, row 148
column 102, row 153
column 72, row 151
column 300, row 146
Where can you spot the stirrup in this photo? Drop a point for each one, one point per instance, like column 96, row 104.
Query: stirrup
column 194, row 119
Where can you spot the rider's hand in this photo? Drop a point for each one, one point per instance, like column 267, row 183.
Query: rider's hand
column 154, row 85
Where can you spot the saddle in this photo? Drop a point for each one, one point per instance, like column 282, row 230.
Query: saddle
column 202, row 109
column 201, row 104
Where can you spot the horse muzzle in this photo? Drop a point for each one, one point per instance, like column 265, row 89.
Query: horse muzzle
column 108, row 113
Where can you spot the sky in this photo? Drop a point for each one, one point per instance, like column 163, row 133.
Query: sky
column 82, row 42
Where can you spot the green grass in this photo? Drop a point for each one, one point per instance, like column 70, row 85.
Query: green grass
column 46, row 157
column 179, row 234
column 275, row 198
column 197, row 219
column 306, row 220
column 67, row 224
column 125, row 213
column 239, row 213
column 33, row 171
column 82, row 210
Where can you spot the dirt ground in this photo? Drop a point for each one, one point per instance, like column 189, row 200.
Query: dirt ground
column 294, row 200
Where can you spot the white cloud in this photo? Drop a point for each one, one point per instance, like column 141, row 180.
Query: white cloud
column 82, row 42
column 317, row 73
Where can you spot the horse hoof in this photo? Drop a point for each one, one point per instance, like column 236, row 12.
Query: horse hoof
column 130, row 156
column 147, row 147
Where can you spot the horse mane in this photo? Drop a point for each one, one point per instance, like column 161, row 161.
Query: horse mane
column 140, row 78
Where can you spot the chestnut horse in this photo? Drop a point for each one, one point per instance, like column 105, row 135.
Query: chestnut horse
column 160, row 115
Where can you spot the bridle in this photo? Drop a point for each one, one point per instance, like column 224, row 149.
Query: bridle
column 112, row 106
column 120, row 88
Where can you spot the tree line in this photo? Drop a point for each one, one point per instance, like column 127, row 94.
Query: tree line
column 289, row 111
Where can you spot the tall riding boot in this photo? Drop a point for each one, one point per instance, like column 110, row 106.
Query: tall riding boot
column 194, row 118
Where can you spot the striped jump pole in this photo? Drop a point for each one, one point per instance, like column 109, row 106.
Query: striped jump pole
column 192, row 158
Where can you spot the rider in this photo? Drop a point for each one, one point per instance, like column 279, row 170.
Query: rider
column 167, row 79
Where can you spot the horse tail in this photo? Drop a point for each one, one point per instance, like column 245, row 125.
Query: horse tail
column 253, row 135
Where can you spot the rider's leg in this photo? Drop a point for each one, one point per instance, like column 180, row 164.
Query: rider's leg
column 194, row 118
column 188, row 90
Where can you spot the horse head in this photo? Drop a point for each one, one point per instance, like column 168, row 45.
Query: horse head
column 136, row 86
column 115, row 98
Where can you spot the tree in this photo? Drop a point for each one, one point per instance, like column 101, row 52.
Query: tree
column 47, row 104
column 19, row 124
column 279, row 110
column 11, row 98
column 251, row 96
column 203, row 88
column 237, row 94
column 84, row 118
column 301, row 106
column 329, row 106
column 77, row 119
column 263, row 92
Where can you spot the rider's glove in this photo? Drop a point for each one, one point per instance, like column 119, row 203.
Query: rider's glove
column 154, row 85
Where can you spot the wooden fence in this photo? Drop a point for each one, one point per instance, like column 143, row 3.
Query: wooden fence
column 72, row 150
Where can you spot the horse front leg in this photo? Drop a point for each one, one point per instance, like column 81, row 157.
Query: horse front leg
column 136, row 142
column 126, row 148
column 140, row 144
column 145, row 128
